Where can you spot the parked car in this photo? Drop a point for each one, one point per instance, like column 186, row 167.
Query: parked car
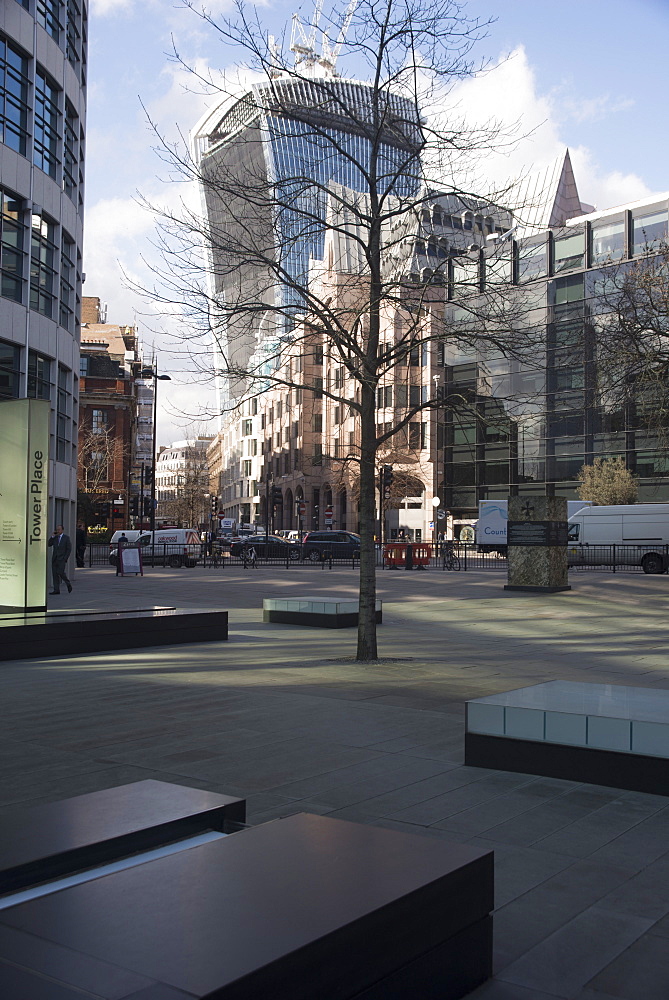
column 271, row 546
column 319, row 545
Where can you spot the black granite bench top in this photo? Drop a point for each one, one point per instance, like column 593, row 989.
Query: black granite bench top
column 92, row 619
column 59, row 838
column 293, row 909
column 53, row 614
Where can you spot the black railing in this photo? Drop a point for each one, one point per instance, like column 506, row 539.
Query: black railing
column 443, row 556
column 619, row 558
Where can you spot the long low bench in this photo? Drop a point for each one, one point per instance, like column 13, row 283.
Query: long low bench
column 604, row 734
column 319, row 612
column 57, row 839
column 294, row 909
column 62, row 634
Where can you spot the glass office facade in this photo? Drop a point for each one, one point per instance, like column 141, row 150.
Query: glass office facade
column 300, row 136
column 529, row 427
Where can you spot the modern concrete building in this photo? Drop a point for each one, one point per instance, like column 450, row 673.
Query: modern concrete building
column 42, row 119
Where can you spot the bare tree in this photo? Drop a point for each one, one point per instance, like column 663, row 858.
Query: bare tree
column 345, row 248
column 187, row 501
column 97, row 452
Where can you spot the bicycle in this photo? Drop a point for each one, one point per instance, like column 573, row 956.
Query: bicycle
column 451, row 561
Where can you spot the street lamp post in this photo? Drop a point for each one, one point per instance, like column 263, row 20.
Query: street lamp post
column 153, row 373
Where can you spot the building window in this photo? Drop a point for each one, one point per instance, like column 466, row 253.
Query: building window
column 13, row 98
column 569, row 253
column 10, row 372
column 83, row 366
column 318, row 454
column 70, row 150
column 67, row 280
column 650, row 231
column 98, row 421
column 247, row 467
column 42, row 265
column 48, row 14
column 318, row 423
column 608, row 242
column 13, row 244
column 384, row 396
column 532, row 262
column 39, row 376
column 63, row 415
column 47, row 124
column 75, row 37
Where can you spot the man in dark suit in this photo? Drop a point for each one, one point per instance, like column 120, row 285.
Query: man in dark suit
column 62, row 547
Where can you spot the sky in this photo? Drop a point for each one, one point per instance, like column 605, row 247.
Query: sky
column 590, row 75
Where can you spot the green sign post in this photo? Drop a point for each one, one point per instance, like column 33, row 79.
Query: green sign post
column 24, row 470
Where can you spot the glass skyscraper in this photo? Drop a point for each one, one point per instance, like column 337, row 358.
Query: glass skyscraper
column 299, row 136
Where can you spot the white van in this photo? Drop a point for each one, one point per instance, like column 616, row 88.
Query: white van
column 493, row 519
column 640, row 533
column 174, row 547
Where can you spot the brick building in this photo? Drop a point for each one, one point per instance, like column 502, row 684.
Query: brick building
column 110, row 365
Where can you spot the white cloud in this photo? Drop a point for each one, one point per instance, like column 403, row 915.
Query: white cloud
column 119, row 233
column 509, row 94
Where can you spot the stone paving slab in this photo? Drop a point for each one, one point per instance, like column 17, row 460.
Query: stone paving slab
column 284, row 717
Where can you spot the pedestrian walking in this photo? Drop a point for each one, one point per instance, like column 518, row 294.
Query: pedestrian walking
column 81, row 541
column 61, row 549
column 123, row 540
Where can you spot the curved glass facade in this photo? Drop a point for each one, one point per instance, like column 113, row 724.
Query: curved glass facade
column 300, row 136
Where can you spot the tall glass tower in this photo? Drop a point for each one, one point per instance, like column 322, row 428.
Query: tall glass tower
column 295, row 136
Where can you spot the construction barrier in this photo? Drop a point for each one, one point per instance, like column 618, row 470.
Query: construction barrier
column 395, row 554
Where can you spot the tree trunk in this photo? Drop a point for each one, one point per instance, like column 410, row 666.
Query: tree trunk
column 367, row 596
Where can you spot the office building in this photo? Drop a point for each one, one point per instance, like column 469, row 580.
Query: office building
column 296, row 136
column 537, row 424
column 42, row 119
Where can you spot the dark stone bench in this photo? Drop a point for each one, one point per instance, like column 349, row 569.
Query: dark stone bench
column 59, row 838
column 296, row 909
column 62, row 634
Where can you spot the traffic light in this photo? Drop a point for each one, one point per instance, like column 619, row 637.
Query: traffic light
column 214, row 506
column 386, row 481
column 102, row 510
column 147, row 507
column 277, row 496
column 134, row 506
column 314, row 516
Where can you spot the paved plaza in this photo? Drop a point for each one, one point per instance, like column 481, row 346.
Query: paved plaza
column 284, row 717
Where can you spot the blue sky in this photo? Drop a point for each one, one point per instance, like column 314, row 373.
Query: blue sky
column 587, row 74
